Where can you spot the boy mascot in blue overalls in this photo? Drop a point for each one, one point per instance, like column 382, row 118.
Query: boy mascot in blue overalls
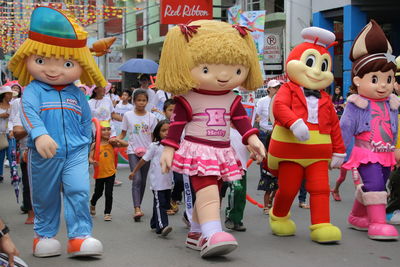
column 57, row 117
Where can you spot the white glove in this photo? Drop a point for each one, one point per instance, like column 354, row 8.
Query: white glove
column 46, row 146
column 300, row 130
column 337, row 160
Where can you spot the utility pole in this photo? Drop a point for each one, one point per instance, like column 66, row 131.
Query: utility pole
column 100, row 33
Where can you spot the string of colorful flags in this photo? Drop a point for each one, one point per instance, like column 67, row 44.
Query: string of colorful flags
column 14, row 18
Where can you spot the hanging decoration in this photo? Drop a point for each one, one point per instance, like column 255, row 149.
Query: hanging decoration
column 14, row 18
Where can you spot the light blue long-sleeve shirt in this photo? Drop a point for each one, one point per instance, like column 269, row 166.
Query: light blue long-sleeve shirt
column 64, row 115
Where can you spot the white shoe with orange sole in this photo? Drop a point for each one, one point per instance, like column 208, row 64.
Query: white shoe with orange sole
column 46, row 247
column 79, row 247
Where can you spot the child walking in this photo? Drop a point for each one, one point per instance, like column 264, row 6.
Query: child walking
column 160, row 183
column 139, row 124
column 106, row 164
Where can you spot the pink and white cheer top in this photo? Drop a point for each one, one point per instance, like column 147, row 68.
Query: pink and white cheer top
column 206, row 117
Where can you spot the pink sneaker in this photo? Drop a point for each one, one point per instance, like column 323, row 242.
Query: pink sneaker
column 193, row 241
column 218, row 244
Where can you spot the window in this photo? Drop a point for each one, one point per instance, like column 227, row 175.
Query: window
column 252, row 5
column 139, row 27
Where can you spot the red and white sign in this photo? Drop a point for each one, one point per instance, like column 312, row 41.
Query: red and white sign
column 185, row 11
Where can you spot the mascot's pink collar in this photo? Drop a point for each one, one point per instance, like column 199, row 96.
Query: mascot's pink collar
column 210, row 92
column 375, row 100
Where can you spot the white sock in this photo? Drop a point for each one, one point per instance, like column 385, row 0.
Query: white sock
column 210, row 228
column 195, row 227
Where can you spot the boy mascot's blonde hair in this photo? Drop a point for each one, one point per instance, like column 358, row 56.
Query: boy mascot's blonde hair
column 53, row 33
column 205, row 42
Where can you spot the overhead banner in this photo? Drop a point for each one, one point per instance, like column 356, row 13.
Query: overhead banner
column 185, row 11
column 234, row 14
column 255, row 20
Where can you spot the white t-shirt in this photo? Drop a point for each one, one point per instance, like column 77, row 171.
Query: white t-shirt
column 161, row 97
column 158, row 180
column 101, row 109
column 263, row 112
column 15, row 120
column 14, row 112
column 4, row 121
column 237, row 145
column 121, row 109
column 139, row 128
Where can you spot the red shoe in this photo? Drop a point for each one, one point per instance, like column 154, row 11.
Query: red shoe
column 84, row 247
column 336, row 195
column 218, row 244
column 193, row 241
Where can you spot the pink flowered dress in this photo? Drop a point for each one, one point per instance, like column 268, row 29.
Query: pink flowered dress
column 205, row 149
column 375, row 146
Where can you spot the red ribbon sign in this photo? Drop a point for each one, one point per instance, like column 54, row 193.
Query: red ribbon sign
column 185, row 11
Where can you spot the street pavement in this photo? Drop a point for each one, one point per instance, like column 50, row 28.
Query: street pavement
column 127, row 243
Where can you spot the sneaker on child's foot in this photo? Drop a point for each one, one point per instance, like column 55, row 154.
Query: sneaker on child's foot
column 393, row 218
column 117, row 183
column 229, row 224
column 107, row 217
column 239, row 227
column 1, row 178
column 92, row 210
column 166, row 230
column 193, row 241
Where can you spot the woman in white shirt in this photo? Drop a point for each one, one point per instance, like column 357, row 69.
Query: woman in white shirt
column 6, row 95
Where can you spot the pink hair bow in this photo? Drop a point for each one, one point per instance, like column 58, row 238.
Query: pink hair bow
column 241, row 29
column 188, row 31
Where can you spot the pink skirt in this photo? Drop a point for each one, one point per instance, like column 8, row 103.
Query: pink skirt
column 202, row 160
column 361, row 155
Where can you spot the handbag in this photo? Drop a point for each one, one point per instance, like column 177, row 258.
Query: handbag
column 140, row 151
column 3, row 141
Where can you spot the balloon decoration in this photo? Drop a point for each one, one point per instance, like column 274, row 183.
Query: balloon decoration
column 102, row 46
column 249, row 198
column 96, row 155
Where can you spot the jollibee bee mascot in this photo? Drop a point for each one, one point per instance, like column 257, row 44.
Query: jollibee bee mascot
column 56, row 115
column 202, row 63
column 306, row 139
column 371, row 118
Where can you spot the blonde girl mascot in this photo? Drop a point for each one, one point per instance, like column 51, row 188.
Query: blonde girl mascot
column 57, row 117
column 201, row 63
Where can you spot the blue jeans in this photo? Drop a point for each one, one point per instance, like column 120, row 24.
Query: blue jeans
column 303, row 192
column 3, row 152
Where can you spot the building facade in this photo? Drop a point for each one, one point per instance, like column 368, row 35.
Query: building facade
column 346, row 18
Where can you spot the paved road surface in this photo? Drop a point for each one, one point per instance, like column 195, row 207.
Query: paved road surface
column 127, row 243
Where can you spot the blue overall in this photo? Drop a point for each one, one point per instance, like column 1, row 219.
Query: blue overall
column 65, row 116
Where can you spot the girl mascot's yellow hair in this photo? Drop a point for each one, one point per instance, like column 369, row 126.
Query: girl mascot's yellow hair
column 214, row 42
column 57, row 117
column 201, row 63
